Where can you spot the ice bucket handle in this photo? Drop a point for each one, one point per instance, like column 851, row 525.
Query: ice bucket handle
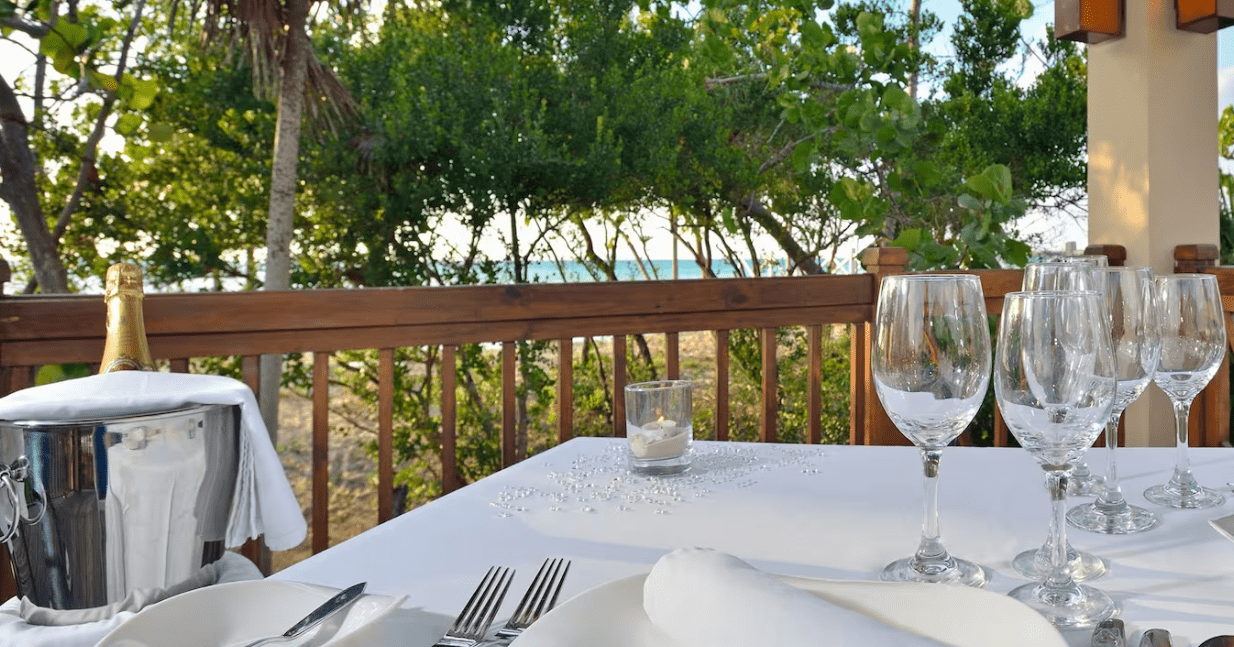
column 17, row 479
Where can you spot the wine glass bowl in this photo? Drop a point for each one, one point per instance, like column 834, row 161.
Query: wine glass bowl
column 931, row 366
column 1069, row 273
column 1136, row 339
column 1193, row 340
column 1054, row 380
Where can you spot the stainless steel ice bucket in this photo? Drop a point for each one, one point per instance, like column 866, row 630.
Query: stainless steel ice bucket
column 93, row 509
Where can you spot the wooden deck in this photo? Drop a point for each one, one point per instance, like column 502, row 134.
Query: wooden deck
column 37, row 330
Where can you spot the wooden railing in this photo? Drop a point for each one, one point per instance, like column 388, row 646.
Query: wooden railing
column 37, row 330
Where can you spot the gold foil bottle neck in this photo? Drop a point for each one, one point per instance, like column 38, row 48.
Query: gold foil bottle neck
column 126, row 348
column 123, row 278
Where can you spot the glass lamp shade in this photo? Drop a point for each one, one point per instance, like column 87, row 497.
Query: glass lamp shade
column 1089, row 21
column 1204, row 16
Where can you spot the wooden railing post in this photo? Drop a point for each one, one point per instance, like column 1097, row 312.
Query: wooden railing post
column 565, row 389
column 1194, row 258
column 869, row 424
column 321, row 452
column 255, row 549
column 450, row 480
column 770, row 406
column 619, row 386
column 1115, row 254
column 1209, row 425
column 385, row 435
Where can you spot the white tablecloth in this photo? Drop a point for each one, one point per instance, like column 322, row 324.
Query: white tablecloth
column 813, row 511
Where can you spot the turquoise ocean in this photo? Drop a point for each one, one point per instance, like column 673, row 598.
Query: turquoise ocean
column 629, row 270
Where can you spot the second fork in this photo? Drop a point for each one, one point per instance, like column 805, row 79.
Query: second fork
column 541, row 596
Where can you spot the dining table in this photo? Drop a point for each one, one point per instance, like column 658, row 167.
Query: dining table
column 815, row 511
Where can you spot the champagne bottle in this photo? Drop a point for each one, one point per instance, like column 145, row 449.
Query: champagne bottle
column 126, row 348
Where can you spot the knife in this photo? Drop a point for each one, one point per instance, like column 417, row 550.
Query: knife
column 1110, row 633
column 327, row 609
column 1155, row 638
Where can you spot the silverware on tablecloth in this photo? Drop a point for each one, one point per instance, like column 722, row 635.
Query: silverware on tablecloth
column 478, row 613
column 1110, row 633
column 541, row 596
column 318, row 615
column 1155, row 638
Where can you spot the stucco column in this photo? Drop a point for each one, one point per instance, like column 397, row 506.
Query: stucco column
column 1152, row 168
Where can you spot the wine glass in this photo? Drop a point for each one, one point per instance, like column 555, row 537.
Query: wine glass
column 1058, row 275
column 1077, row 274
column 1072, row 272
column 931, row 367
column 1130, row 297
column 1192, row 347
column 1054, row 381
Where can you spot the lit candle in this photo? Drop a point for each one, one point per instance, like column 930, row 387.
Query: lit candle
column 657, row 439
column 666, row 426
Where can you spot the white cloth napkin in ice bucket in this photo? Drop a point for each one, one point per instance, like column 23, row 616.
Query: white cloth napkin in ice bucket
column 263, row 503
column 22, row 624
column 706, row 598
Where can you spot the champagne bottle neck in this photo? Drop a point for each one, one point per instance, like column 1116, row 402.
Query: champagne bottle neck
column 126, row 348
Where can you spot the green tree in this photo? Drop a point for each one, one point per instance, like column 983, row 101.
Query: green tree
column 193, row 202
column 1038, row 130
column 79, row 55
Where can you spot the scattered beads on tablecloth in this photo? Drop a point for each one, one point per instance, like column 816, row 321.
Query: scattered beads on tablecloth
column 604, row 482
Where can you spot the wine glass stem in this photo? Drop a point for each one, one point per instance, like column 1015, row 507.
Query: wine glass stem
column 931, row 551
column 1182, row 413
column 1183, row 480
column 1112, row 495
column 1059, row 578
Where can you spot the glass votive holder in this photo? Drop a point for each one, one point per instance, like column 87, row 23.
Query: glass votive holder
column 660, row 426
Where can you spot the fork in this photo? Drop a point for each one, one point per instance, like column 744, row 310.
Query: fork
column 539, row 599
column 477, row 615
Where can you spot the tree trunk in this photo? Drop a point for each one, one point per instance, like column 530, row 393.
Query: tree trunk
column 283, row 179
column 283, row 175
column 19, row 190
column 756, row 211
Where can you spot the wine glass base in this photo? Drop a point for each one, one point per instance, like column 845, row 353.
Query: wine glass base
column 1035, row 565
column 1079, row 606
column 1131, row 519
column 961, row 572
column 1089, row 485
column 1164, row 495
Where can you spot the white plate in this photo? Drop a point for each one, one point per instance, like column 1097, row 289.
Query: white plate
column 240, row 612
column 611, row 615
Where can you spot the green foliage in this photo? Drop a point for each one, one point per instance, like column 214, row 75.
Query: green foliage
column 49, row 373
column 82, row 46
column 200, row 211
column 983, row 241
column 792, row 397
column 1038, row 130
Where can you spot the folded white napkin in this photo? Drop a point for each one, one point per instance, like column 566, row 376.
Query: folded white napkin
column 1224, row 525
column 28, row 625
column 705, row 598
column 263, row 503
